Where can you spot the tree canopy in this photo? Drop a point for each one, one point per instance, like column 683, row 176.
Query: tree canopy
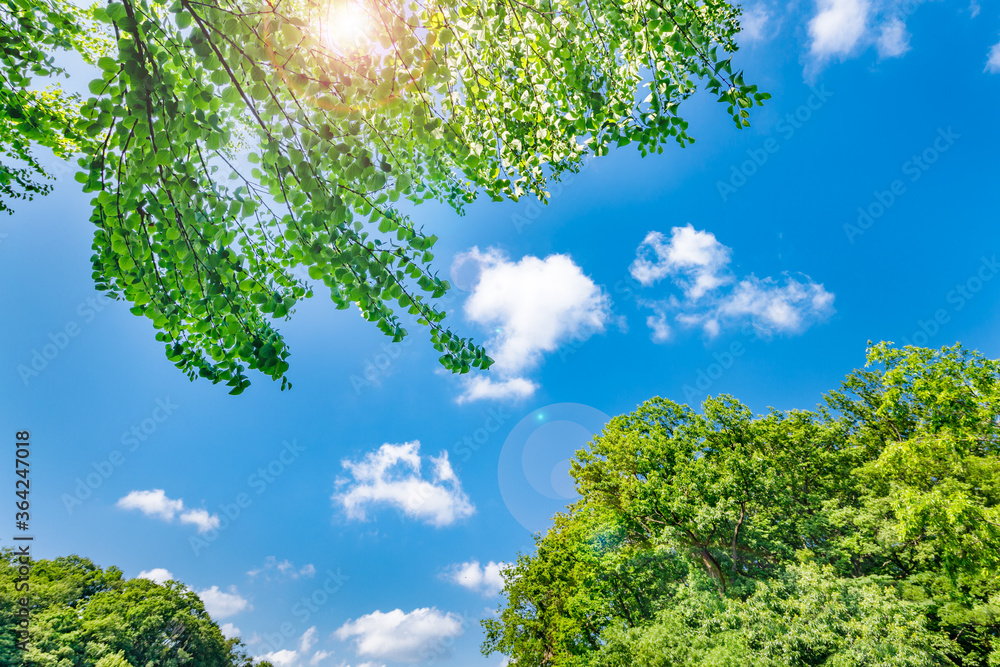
column 865, row 532
column 84, row 616
column 345, row 109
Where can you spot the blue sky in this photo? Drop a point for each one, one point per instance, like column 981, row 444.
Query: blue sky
column 360, row 517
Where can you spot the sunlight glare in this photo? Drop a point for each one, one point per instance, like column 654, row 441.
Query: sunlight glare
column 347, row 26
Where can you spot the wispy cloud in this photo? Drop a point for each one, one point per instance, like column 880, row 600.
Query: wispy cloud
column 894, row 40
column 755, row 23
column 993, row 59
column 273, row 569
column 712, row 298
column 838, row 27
column 299, row 656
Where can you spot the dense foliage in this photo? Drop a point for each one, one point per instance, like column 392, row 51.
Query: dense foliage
column 345, row 108
column 85, row 616
column 865, row 532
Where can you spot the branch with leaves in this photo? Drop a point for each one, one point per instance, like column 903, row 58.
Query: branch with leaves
column 424, row 100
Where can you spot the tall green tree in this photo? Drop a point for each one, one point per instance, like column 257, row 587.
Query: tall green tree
column 347, row 108
column 84, row 616
column 865, row 532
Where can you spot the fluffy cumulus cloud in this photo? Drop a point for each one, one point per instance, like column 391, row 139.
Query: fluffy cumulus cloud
column 273, row 569
column 531, row 307
column 394, row 476
column 157, row 574
column 222, row 604
column 712, row 298
column 694, row 259
column 156, row 504
column 845, row 28
column 229, row 630
column 404, row 637
column 152, row 503
column 483, row 579
column 200, row 518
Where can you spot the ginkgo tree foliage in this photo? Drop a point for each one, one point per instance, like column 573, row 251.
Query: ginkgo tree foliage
column 29, row 116
column 343, row 109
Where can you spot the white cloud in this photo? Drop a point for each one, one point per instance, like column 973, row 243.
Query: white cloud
column 297, row 657
column 157, row 574
column 838, row 27
column 480, row 387
column 229, row 630
column 531, row 306
column 202, row 519
column 307, row 640
column 319, row 656
column 272, row 569
column 695, row 259
column 699, row 265
column 220, row 604
column 773, row 307
column 156, row 504
column 754, row 23
column 152, row 503
column 283, row 658
column 658, row 325
column 393, row 476
column 485, row 580
column 993, row 61
column 894, row 41
column 405, row 637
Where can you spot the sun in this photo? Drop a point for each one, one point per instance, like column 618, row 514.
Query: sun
column 346, row 27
